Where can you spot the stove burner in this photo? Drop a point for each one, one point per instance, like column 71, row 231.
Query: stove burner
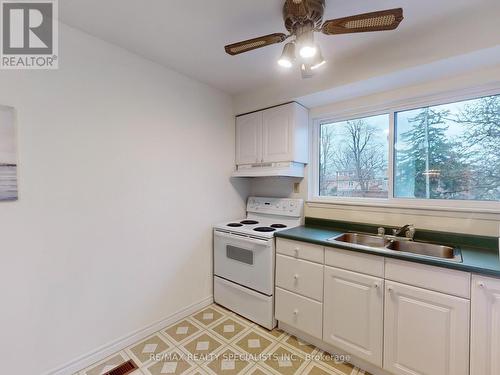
column 264, row 229
column 249, row 222
column 278, row 226
column 234, row 225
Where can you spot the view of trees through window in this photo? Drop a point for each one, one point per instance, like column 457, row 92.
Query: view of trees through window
column 354, row 158
column 450, row 151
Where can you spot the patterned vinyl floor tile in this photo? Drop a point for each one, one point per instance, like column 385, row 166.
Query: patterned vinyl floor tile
column 202, row 346
column 106, row 365
column 216, row 341
column 181, row 331
column 259, row 370
column 173, row 362
column 208, row 316
column 229, row 361
column 300, row 346
column 255, row 344
column 285, row 361
column 229, row 329
column 145, row 350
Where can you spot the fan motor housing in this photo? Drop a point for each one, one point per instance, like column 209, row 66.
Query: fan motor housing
column 300, row 12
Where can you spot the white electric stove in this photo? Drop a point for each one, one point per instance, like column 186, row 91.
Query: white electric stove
column 244, row 257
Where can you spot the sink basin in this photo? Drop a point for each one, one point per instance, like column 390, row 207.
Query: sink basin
column 389, row 243
column 361, row 239
column 426, row 249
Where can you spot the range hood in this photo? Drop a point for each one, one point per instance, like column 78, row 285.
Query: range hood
column 287, row 169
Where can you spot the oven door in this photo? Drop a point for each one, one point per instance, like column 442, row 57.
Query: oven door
column 247, row 261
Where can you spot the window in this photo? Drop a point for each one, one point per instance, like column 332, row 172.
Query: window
column 448, row 152
column 354, row 158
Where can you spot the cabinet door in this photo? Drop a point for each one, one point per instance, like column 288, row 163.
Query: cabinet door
column 426, row 332
column 278, row 134
column 249, row 138
column 353, row 315
column 485, row 340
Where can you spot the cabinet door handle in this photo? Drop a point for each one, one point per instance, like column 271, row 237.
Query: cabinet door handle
column 295, row 312
column 390, row 290
column 481, row 284
column 376, row 286
column 296, row 251
column 296, row 277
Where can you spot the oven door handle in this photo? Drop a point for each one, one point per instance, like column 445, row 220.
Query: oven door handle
column 254, row 241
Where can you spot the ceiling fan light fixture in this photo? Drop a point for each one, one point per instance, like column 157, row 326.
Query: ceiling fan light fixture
column 304, row 18
column 307, row 48
column 318, row 60
column 288, row 56
column 306, row 71
column 308, row 52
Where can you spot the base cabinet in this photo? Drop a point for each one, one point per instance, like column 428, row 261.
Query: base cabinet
column 485, row 334
column 402, row 317
column 353, row 313
column 426, row 333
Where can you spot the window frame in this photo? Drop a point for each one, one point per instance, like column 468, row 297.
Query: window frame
column 391, row 109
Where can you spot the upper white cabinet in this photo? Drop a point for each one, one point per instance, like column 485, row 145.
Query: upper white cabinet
column 277, row 134
column 485, row 339
column 249, row 138
column 353, row 313
column 426, row 333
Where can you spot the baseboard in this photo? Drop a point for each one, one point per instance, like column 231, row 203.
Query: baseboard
column 125, row 341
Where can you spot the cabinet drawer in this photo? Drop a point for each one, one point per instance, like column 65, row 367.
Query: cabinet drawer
column 355, row 261
column 300, row 312
column 301, row 250
column 300, row 276
column 439, row 279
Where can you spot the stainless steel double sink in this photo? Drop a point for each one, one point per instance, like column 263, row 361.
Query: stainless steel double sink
column 389, row 243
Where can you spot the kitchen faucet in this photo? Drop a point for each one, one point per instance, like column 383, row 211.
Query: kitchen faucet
column 407, row 230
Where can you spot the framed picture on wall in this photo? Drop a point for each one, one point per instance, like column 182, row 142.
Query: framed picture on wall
column 8, row 155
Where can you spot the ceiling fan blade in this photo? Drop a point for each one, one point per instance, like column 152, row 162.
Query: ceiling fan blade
column 251, row 44
column 374, row 21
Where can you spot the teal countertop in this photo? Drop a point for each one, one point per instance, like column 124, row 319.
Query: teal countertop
column 482, row 258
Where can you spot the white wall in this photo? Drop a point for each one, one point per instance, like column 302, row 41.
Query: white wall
column 123, row 166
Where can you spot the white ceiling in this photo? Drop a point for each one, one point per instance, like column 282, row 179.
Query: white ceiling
column 189, row 36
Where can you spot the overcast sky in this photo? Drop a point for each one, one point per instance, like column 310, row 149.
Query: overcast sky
column 7, row 136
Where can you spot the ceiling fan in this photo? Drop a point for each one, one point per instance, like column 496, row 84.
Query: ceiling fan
column 305, row 17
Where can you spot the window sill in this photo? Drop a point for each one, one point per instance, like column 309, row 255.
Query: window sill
column 437, row 209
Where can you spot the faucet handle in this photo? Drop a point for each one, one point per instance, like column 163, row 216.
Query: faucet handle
column 410, row 233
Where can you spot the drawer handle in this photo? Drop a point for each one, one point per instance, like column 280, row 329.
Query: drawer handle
column 295, row 312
